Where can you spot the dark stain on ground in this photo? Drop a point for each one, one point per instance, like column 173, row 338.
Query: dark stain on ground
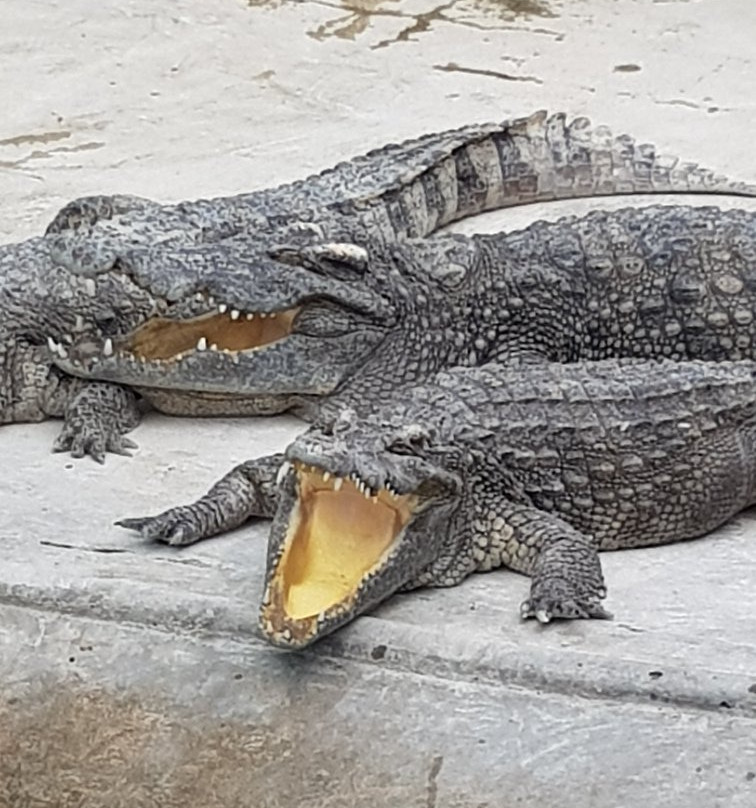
column 44, row 137
column 515, row 8
column 419, row 25
column 626, row 68
column 379, row 652
column 356, row 15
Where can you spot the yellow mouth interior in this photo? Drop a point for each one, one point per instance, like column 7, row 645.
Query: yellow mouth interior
column 338, row 535
column 160, row 338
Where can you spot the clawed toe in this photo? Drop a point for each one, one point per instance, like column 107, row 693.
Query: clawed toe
column 545, row 610
column 168, row 528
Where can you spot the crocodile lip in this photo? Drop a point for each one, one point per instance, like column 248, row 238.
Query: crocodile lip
column 339, row 534
column 228, row 330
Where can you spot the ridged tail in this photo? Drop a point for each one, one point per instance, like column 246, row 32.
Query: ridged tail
column 414, row 188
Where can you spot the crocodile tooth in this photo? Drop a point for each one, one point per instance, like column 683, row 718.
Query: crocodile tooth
column 202, row 344
column 263, row 314
column 52, row 345
column 282, row 472
column 235, row 314
column 199, row 297
column 210, row 300
column 90, row 287
column 326, row 476
column 214, row 347
column 107, row 348
column 235, row 358
column 223, row 308
column 337, row 483
column 250, row 316
column 272, row 314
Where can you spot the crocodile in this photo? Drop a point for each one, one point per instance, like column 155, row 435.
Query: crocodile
column 399, row 191
column 405, row 190
column 532, row 467
column 328, row 325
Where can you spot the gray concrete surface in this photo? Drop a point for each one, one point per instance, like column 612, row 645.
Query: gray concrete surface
column 131, row 674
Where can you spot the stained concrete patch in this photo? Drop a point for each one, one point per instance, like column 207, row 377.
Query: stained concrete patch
column 67, row 742
column 103, row 714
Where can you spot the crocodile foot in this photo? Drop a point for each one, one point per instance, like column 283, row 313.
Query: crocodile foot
column 567, row 581
column 178, row 526
column 95, row 422
column 546, row 606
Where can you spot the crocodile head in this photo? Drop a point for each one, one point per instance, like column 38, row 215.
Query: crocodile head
column 45, row 309
column 364, row 508
column 231, row 319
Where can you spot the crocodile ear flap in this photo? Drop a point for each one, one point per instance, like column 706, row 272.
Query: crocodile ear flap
column 339, row 260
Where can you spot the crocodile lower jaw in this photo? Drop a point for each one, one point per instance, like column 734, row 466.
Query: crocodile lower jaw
column 340, row 534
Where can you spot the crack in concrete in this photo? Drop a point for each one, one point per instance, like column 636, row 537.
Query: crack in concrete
column 432, row 787
column 43, row 155
column 453, row 67
column 678, row 102
column 191, row 562
column 64, row 546
column 45, row 137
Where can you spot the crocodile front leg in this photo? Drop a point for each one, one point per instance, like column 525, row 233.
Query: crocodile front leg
column 567, row 582
column 96, row 417
column 248, row 490
column 563, row 563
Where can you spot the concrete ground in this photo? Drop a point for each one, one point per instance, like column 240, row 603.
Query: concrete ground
column 132, row 675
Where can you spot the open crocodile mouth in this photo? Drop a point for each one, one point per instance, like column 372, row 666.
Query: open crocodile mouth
column 339, row 534
column 228, row 331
